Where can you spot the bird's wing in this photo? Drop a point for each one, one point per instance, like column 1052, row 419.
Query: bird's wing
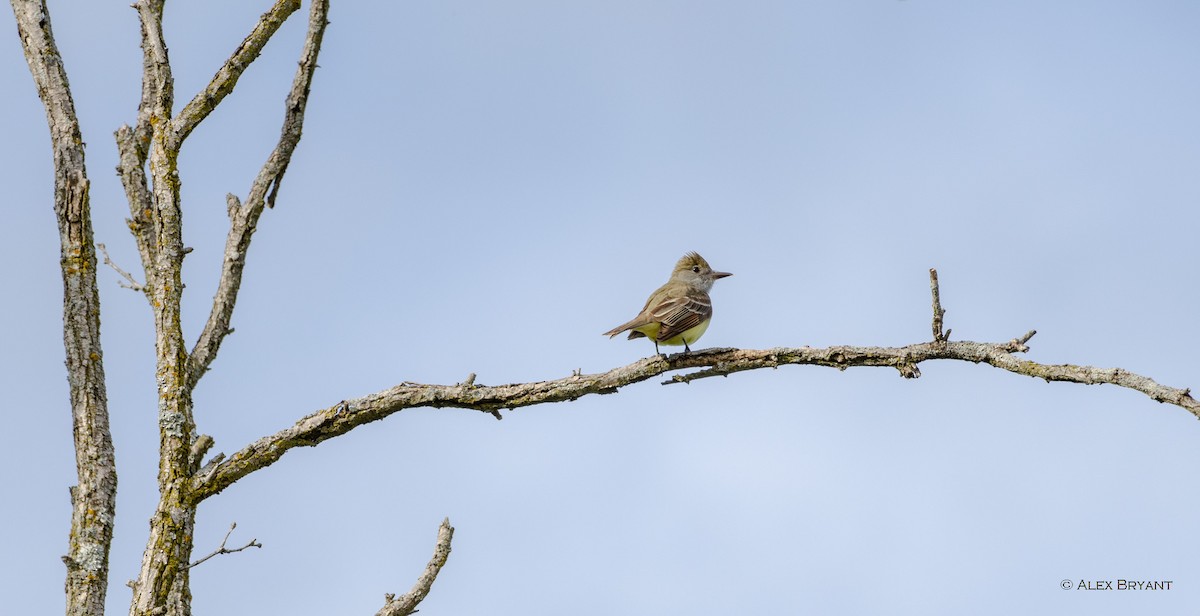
column 679, row 314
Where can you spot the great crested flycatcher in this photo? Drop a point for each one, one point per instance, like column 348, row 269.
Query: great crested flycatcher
column 679, row 311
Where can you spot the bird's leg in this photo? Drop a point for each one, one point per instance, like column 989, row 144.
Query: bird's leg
column 656, row 351
column 686, row 348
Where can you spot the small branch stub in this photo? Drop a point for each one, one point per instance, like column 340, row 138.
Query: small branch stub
column 200, row 447
column 1017, row 345
column 938, row 312
column 909, row 370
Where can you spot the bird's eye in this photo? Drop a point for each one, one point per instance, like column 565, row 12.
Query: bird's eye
column 696, row 268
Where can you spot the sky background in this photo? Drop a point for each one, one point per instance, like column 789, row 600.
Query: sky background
column 487, row 186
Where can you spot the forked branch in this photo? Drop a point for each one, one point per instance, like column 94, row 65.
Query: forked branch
column 224, row 550
column 129, row 283
column 243, row 217
column 152, row 149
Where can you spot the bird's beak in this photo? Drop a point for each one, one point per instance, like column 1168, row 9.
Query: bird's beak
column 717, row 275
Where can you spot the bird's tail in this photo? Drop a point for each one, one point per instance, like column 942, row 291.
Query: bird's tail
column 616, row 330
column 625, row 327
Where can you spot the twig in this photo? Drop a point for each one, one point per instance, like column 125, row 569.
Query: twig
column 223, row 550
column 408, row 603
column 133, row 284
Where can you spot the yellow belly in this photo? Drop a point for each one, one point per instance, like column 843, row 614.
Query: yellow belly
column 687, row 337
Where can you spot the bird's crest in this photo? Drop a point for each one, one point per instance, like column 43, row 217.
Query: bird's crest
column 690, row 259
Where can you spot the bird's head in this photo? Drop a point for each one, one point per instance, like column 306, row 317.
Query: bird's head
column 695, row 271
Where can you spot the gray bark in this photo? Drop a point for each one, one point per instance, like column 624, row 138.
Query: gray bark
column 93, row 499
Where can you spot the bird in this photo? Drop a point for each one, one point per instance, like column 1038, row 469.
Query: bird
column 679, row 311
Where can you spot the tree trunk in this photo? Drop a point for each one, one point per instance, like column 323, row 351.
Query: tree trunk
column 93, row 500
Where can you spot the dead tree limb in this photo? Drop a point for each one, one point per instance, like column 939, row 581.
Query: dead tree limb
column 149, row 155
column 93, row 499
column 243, row 217
column 407, row 604
column 344, row 416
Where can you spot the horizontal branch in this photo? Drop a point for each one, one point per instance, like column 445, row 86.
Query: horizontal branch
column 347, row 415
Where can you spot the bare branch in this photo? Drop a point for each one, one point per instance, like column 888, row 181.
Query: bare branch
column 223, row 550
column 93, row 499
column 133, row 144
column 132, row 171
column 157, row 223
column 244, row 218
column 223, row 82
column 158, row 85
column 131, row 284
column 349, row 414
column 266, row 185
column 408, row 603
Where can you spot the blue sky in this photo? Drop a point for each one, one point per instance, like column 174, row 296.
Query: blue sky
column 485, row 187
